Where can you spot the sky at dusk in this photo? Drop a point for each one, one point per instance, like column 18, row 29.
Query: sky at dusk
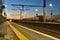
column 31, row 10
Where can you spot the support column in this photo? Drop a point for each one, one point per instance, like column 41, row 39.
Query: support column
column 44, row 11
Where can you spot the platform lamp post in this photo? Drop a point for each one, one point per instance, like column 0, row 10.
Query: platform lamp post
column 36, row 12
column 51, row 10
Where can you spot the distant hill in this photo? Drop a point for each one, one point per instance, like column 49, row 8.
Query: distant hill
column 57, row 16
column 54, row 17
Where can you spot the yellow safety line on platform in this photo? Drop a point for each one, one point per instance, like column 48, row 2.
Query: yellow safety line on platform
column 18, row 34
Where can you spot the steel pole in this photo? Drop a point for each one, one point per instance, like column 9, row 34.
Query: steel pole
column 44, row 11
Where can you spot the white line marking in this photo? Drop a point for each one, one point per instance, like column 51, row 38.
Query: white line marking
column 38, row 32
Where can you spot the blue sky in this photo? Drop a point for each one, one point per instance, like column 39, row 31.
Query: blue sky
column 55, row 7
